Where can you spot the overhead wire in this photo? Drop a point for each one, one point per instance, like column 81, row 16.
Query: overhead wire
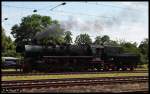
column 76, row 13
column 61, row 11
column 17, row 6
column 82, row 14
column 67, row 12
column 130, row 9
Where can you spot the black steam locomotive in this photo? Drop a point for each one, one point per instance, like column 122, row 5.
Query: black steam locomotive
column 59, row 58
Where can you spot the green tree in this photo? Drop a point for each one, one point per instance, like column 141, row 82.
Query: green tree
column 144, row 50
column 130, row 47
column 98, row 40
column 83, row 39
column 105, row 39
column 144, row 46
column 113, row 43
column 67, row 38
column 29, row 26
column 8, row 46
column 3, row 40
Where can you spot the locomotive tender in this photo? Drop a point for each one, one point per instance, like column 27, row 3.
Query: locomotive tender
column 58, row 58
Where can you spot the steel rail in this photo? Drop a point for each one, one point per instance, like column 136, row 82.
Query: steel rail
column 70, row 82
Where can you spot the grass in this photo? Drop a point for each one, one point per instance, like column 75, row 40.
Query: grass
column 8, row 70
column 52, row 76
column 35, row 77
column 143, row 67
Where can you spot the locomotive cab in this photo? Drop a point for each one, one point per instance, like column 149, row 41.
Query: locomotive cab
column 97, row 51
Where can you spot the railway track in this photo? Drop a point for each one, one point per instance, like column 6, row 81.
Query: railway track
column 47, row 83
column 58, row 73
column 131, row 91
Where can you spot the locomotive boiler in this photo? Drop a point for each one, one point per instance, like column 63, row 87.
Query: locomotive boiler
column 58, row 58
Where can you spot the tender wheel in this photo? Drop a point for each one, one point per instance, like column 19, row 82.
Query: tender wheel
column 114, row 69
column 124, row 69
column 131, row 68
column 117, row 68
column 106, row 68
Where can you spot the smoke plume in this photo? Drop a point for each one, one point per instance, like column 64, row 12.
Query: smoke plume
column 53, row 30
column 131, row 13
column 82, row 25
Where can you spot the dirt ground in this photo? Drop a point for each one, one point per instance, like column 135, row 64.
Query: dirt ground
column 114, row 88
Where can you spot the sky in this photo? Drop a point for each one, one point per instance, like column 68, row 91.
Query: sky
column 120, row 20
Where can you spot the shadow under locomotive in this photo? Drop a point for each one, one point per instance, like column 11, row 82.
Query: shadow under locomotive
column 60, row 58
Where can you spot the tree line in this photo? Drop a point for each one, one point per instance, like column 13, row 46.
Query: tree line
column 25, row 32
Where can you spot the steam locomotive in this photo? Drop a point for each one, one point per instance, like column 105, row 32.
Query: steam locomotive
column 59, row 58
